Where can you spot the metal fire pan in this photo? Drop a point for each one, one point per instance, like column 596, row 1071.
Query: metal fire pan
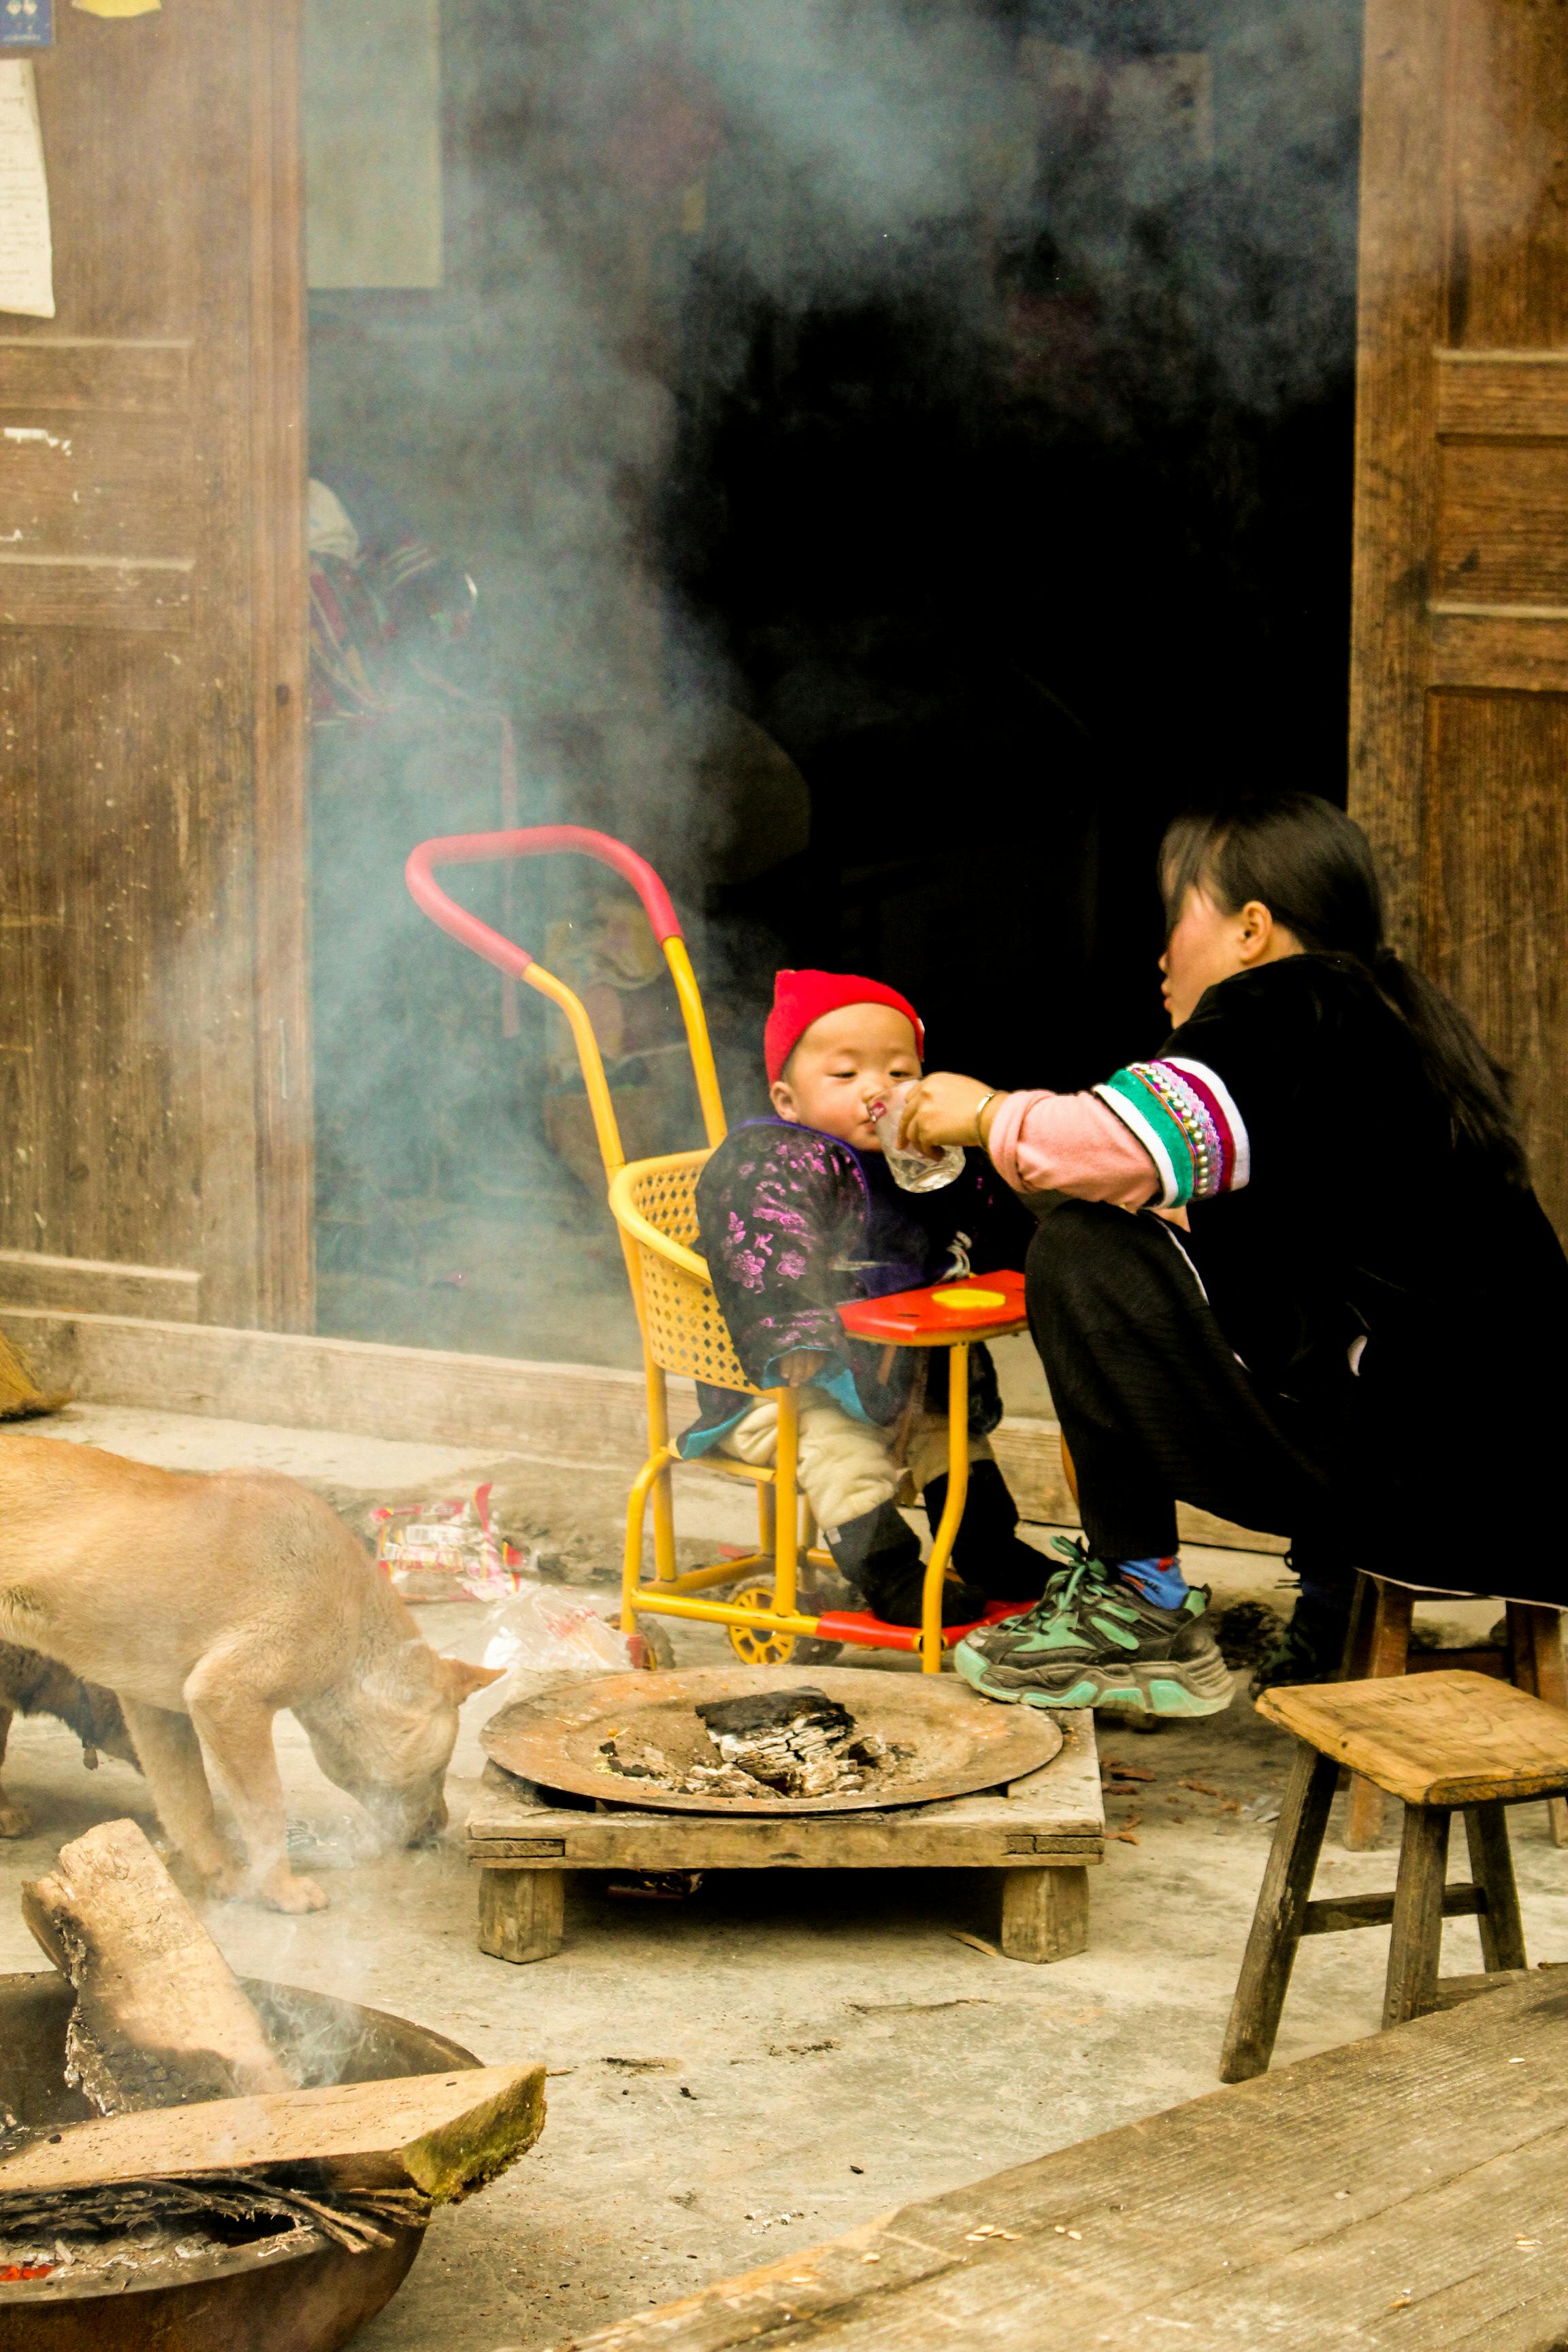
column 312, row 2297
column 961, row 1743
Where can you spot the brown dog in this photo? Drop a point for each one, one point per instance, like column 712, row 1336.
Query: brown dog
column 205, row 1604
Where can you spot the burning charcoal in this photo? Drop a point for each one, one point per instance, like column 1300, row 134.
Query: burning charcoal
column 795, row 1742
column 775, row 1711
column 870, row 1747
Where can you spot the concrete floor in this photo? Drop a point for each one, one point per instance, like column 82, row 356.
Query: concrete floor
column 779, row 2057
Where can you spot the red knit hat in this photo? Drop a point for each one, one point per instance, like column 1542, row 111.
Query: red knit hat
column 802, row 997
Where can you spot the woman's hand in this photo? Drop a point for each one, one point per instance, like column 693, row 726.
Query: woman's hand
column 941, row 1109
column 802, row 1364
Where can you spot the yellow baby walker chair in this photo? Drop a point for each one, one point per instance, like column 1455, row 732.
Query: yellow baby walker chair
column 654, row 1205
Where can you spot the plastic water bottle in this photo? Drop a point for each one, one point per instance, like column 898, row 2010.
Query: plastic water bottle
column 914, row 1170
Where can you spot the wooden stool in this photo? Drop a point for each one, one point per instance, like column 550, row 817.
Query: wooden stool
column 1379, row 1645
column 1444, row 1742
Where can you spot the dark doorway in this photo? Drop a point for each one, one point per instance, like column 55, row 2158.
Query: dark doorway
column 903, row 453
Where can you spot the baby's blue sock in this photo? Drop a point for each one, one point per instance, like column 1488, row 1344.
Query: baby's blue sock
column 1158, row 1581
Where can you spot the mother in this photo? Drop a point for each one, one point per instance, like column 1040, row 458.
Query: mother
column 1340, row 1314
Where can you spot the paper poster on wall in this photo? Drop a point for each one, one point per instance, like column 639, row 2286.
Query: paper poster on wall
column 27, row 23
column 27, row 260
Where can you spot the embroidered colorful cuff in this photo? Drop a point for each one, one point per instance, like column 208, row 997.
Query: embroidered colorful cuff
column 1183, row 1115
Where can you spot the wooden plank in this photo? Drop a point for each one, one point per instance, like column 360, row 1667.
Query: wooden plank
column 1445, row 1739
column 576, row 1413
column 1521, row 648
column 441, row 2134
column 1336, row 1914
column 96, row 592
column 169, row 1294
column 1490, row 395
column 1292, row 2210
column 1402, row 321
column 64, row 373
column 908, row 1841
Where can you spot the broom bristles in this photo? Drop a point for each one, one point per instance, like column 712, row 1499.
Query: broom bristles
column 20, row 1394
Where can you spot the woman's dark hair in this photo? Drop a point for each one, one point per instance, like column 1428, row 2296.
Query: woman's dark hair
column 1311, row 864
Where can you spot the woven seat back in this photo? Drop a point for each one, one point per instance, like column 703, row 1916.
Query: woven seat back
column 684, row 1329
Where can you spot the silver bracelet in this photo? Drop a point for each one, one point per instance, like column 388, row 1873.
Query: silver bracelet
column 979, row 1106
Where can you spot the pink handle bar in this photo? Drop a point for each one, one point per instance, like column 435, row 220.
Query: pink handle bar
column 531, row 841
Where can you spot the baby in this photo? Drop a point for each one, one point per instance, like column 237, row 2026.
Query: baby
column 798, row 1214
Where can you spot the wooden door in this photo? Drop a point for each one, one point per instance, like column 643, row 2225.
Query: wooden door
column 1459, row 725
column 155, row 1045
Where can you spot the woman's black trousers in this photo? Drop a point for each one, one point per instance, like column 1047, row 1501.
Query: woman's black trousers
column 1153, row 1403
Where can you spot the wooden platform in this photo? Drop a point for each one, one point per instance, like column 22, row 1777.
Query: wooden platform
column 1403, row 2191
column 1043, row 1831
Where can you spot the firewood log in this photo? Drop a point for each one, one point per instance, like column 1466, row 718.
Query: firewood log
column 161, row 2019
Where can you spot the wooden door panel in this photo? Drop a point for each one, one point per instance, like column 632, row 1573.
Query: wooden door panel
column 1498, row 395
column 1502, row 523
column 1459, row 726
column 90, row 485
column 152, row 618
column 1506, row 150
column 1496, row 895
column 107, row 376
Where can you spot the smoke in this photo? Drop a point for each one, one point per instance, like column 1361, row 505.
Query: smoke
column 1096, row 214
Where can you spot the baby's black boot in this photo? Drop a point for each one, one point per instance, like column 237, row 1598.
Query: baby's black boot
column 989, row 1554
column 880, row 1556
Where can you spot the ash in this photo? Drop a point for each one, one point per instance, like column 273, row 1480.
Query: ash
column 122, row 2257
column 796, row 1743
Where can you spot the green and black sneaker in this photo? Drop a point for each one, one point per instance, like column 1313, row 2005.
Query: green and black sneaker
column 1092, row 1640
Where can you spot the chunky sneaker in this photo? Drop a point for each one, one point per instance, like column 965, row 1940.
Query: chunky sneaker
column 1092, row 1640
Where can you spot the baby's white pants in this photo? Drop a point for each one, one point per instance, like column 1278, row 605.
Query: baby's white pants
column 846, row 1466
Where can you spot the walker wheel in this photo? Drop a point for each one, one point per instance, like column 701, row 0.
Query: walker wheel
column 760, row 1646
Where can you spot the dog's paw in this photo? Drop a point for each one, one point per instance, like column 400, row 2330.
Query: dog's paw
column 15, row 1822
column 284, row 1891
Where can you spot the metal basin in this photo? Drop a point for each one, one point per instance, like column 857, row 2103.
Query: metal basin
column 309, row 2300
column 961, row 1743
